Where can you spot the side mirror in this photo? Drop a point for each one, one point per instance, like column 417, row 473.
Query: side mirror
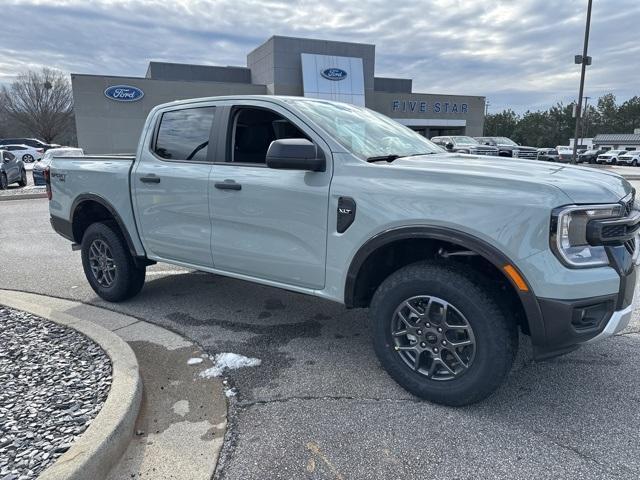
column 295, row 154
column 449, row 146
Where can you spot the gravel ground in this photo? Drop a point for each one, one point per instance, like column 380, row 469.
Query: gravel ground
column 53, row 382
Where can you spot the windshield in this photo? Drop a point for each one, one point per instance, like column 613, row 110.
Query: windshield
column 363, row 132
column 504, row 141
column 465, row 141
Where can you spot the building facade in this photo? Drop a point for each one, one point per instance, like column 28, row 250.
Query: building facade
column 110, row 111
column 617, row 141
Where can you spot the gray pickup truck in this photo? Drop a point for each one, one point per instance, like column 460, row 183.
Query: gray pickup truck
column 453, row 254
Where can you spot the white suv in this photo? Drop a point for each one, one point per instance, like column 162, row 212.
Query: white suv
column 631, row 157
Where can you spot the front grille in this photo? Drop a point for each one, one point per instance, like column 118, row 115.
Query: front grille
column 527, row 155
column 613, row 231
column 485, row 151
column 630, row 245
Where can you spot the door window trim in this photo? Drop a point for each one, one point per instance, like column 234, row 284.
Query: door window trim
column 230, row 114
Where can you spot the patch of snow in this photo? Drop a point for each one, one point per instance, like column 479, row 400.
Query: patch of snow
column 181, row 407
column 230, row 361
column 194, row 361
column 230, row 392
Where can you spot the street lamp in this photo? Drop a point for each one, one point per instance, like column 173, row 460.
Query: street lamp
column 583, row 60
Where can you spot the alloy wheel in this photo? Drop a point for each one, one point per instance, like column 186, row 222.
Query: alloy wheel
column 433, row 338
column 102, row 264
column 27, row 158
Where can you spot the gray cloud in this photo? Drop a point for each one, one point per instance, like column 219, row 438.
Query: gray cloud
column 518, row 54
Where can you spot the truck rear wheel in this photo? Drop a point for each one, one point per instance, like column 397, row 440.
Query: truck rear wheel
column 108, row 265
column 441, row 333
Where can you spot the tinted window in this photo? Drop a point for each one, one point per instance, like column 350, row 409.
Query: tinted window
column 184, row 134
column 9, row 156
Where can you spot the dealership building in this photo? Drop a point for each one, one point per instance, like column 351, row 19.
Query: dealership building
column 110, row 111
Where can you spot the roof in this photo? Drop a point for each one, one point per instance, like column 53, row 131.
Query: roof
column 618, row 138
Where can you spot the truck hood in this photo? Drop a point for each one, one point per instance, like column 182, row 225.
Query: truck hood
column 581, row 184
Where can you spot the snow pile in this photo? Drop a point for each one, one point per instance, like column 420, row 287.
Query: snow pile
column 230, row 361
column 194, row 361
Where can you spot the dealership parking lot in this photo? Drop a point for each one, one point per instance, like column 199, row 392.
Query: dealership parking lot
column 320, row 406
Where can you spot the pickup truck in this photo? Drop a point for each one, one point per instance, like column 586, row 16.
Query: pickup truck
column 453, row 254
column 509, row 148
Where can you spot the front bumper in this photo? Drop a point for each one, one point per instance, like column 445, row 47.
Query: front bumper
column 569, row 323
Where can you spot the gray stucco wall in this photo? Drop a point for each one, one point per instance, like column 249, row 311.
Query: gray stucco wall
column 424, row 106
column 107, row 126
column 197, row 73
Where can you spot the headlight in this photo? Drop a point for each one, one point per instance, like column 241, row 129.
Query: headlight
column 569, row 234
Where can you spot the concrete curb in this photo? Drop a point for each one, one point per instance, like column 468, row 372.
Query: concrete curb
column 22, row 196
column 100, row 447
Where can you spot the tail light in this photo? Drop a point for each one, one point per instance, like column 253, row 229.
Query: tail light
column 40, row 150
column 47, row 181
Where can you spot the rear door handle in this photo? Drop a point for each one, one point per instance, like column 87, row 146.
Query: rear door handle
column 150, row 179
column 228, row 185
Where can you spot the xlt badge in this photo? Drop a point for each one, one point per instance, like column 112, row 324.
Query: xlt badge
column 346, row 213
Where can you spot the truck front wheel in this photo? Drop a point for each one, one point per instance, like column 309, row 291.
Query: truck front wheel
column 108, row 265
column 441, row 333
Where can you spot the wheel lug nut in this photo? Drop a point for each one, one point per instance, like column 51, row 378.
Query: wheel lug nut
column 427, row 325
column 444, row 342
column 423, row 344
column 435, row 349
column 419, row 332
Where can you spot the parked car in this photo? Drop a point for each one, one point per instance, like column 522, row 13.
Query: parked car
column 565, row 154
column 610, row 156
column 11, row 170
column 464, row 144
column 26, row 153
column 32, row 142
column 631, row 157
column 41, row 165
column 548, row 154
column 509, row 148
column 453, row 258
column 590, row 156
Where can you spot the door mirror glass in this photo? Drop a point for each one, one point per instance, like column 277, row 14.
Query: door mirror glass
column 449, row 146
column 295, row 154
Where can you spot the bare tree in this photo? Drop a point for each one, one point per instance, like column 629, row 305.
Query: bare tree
column 41, row 102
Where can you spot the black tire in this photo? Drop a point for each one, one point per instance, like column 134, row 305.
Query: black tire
column 27, row 158
column 634, row 163
column 3, row 181
column 494, row 330
column 128, row 279
column 23, row 178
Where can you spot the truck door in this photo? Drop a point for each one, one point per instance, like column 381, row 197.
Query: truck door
column 268, row 223
column 170, row 186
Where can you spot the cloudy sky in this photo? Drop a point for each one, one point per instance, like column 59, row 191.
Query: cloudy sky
column 517, row 53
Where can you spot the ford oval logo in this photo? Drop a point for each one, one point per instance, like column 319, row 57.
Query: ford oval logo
column 124, row 93
column 334, row 74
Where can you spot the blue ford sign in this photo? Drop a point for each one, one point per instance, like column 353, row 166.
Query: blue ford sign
column 124, row 93
column 334, row 74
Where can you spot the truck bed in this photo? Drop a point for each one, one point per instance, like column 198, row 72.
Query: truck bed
column 104, row 176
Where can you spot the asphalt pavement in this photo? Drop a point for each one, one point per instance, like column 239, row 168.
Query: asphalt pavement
column 321, row 407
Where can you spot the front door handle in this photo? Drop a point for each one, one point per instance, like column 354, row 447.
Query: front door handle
column 228, row 185
column 150, row 179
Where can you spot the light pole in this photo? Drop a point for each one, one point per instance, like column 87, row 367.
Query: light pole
column 583, row 60
column 585, row 123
